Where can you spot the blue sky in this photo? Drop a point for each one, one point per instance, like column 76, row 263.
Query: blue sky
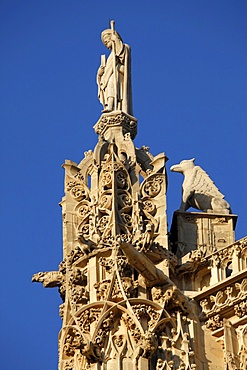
column 189, row 66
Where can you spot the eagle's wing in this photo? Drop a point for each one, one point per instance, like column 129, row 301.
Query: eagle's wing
column 203, row 184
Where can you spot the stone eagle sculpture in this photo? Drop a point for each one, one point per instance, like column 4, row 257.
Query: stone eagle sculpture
column 198, row 190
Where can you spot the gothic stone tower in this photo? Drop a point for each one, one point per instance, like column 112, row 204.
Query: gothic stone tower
column 132, row 298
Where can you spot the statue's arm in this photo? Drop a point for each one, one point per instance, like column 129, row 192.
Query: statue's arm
column 101, row 71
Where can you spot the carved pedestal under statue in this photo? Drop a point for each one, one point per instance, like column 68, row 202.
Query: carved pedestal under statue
column 131, row 298
column 205, row 232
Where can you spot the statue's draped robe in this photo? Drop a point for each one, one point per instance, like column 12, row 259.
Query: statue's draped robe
column 120, row 84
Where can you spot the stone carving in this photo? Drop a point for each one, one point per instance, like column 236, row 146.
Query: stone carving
column 87, row 317
column 77, row 345
column 216, row 306
column 127, row 122
column 73, row 341
column 149, row 344
column 49, row 279
column 102, row 288
column 145, row 241
column 230, row 346
column 225, row 298
column 126, row 286
column 214, row 323
column 170, row 296
column 79, row 295
column 195, row 259
column 242, row 347
column 133, row 327
column 143, row 264
column 114, row 74
column 241, row 309
column 107, row 264
column 199, row 190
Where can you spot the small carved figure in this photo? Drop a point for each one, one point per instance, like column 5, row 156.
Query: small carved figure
column 160, row 364
column 87, row 245
column 195, row 259
column 114, row 76
column 78, row 277
column 79, row 295
column 175, row 298
column 198, row 190
column 146, row 239
column 102, row 288
column 170, row 295
column 149, row 344
column 118, row 340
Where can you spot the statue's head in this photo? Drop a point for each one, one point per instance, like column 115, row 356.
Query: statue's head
column 107, row 36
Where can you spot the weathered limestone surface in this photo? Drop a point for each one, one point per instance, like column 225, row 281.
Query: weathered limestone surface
column 132, row 298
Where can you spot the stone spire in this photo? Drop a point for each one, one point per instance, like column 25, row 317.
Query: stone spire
column 131, row 299
column 114, row 277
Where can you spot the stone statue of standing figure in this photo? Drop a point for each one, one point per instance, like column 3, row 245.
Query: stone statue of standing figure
column 114, row 74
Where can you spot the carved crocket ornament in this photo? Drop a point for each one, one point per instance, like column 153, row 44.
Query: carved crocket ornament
column 198, row 190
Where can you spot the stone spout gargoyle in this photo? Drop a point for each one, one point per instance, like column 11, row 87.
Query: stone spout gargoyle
column 49, row 279
column 198, row 190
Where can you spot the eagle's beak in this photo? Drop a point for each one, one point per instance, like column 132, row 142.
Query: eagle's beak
column 175, row 168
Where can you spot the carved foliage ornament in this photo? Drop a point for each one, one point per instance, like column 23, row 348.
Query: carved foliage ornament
column 213, row 307
column 128, row 123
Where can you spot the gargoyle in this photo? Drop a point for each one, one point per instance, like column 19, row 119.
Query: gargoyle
column 50, row 279
column 198, row 190
column 170, row 295
column 196, row 258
